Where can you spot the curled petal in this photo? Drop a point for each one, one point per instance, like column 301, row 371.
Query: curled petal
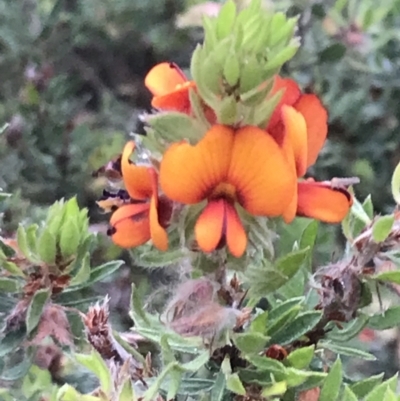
column 316, row 118
column 319, row 201
column 136, row 178
column 296, row 133
column 164, row 78
column 264, row 179
column 290, row 94
column 209, row 227
column 178, row 100
column 188, row 173
column 170, row 88
column 236, row 237
column 158, row 233
column 130, row 226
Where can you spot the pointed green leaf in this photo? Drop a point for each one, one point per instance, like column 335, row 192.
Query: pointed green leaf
column 389, row 276
column 35, row 309
column 83, row 274
column 278, row 388
column 368, row 206
column 265, row 363
column 96, row 364
column 301, row 357
column 23, row 242
column 11, row 341
column 348, row 395
column 47, row 247
column 175, row 379
column 379, row 391
column 363, row 387
column 331, row 388
column 386, row 320
column 13, row 269
column 332, row 53
column 69, row 237
column 299, row 326
column 226, row 19
column 348, row 351
column 250, row 342
column 382, row 227
column 234, row 384
column 395, row 184
column 350, row 330
column 218, row 391
column 9, row 285
column 68, row 393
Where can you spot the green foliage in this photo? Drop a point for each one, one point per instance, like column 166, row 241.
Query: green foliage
column 284, row 323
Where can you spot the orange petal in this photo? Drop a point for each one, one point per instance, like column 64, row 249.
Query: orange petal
column 130, row 225
column 236, row 237
column 290, row 213
column 188, row 173
column 210, row 225
column 158, row 233
column 264, row 179
column 291, row 93
column 320, row 201
column 176, row 100
column 316, row 118
column 296, row 133
column 136, row 178
column 164, row 78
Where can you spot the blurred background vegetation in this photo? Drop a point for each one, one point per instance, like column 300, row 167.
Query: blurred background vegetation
column 71, row 90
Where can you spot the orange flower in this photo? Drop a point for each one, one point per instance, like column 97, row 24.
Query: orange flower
column 170, row 87
column 299, row 124
column 228, row 167
column 135, row 223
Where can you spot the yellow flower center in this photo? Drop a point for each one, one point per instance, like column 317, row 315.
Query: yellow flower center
column 224, row 190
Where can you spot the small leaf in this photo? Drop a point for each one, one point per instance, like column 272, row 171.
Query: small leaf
column 386, row 320
column 395, row 184
column 47, row 247
column 17, row 371
column 218, row 391
column 95, row 363
column 301, row 325
column 234, row 384
column 11, row 341
column 35, row 309
column 69, row 237
column 301, row 357
column 13, row 269
column 265, row 363
column 348, row 395
column 363, row 387
column 382, row 228
column 368, row 206
column 250, row 342
column 69, row 393
column 9, row 285
column 83, row 273
column 379, row 391
column 332, row 53
column 331, row 387
column 278, row 388
column 291, row 263
column 308, row 238
column 97, row 274
column 350, row 330
column 348, row 351
column 23, row 242
column 226, row 19
column 175, row 379
column 389, row 276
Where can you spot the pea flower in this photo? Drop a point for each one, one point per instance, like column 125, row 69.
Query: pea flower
column 228, row 167
column 146, row 215
column 299, row 125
